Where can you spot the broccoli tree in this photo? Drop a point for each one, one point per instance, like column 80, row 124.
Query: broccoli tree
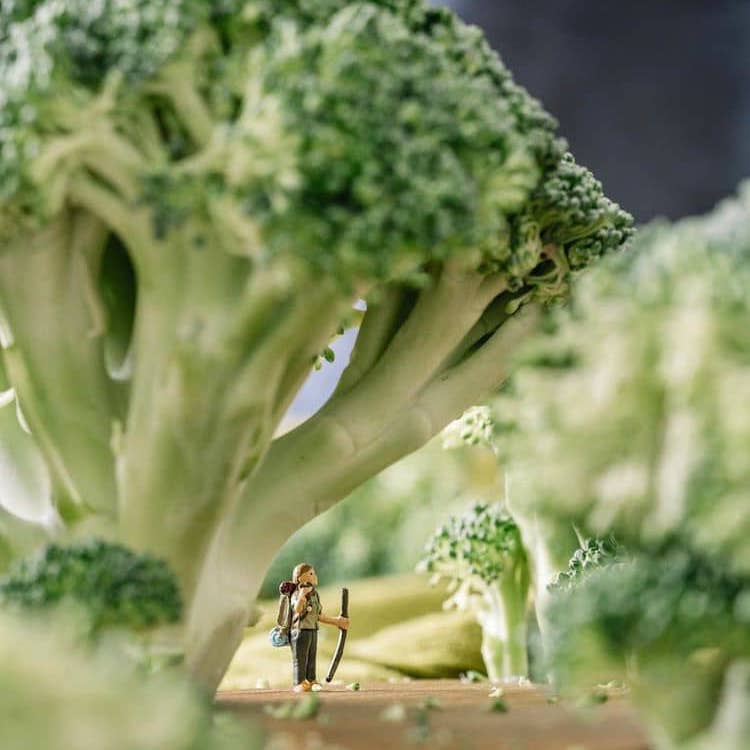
column 482, row 555
column 630, row 416
column 194, row 195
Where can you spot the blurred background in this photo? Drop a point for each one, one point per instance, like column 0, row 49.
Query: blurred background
column 654, row 97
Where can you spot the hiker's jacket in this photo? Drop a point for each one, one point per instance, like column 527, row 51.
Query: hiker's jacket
column 308, row 619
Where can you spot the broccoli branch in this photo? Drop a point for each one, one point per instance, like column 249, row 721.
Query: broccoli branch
column 379, row 324
column 176, row 83
column 436, row 325
column 19, row 537
column 54, row 313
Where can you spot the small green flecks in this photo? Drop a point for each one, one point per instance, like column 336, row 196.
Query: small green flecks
column 472, row 676
column 281, row 711
column 420, row 732
column 301, row 710
column 498, row 706
column 594, row 698
column 307, row 707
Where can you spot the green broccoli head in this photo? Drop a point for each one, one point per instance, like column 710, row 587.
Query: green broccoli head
column 58, row 66
column 669, row 624
column 630, row 414
column 393, row 156
column 113, row 585
column 363, row 140
column 476, row 548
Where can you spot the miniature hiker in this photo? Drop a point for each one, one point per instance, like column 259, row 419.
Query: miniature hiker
column 306, row 613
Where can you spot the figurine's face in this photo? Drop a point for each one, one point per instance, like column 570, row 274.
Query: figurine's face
column 309, row 577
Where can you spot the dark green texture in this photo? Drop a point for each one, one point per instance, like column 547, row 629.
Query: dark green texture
column 112, row 584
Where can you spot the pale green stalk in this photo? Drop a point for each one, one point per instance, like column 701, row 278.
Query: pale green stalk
column 55, row 357
column 503, row 620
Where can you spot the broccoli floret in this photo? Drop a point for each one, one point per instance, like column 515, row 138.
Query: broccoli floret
column 594, row 554
column 568, row 224
column 474, row 427
column 668, row 624
column 114, row 586
column 626, row 416
column 482, row 555
column 344, row 136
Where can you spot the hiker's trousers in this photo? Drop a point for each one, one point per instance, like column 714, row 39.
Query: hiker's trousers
column 304, row 654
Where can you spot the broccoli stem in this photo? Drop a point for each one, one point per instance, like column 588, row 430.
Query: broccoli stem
column 436, row 325
column 549, row 548
column 189, row 105
column 52, row 308
column 505, row 658
column 131, row 226
column 19, row 537
column 381, row 321
column 504, row 632
column 204, row 396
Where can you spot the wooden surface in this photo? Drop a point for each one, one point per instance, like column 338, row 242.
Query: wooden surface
column 352, row 720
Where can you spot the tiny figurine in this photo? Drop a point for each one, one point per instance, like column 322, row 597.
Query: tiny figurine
column 300, row 612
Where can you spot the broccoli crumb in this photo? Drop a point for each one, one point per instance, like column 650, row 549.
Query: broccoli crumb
column 497, row 706
column 301, row 710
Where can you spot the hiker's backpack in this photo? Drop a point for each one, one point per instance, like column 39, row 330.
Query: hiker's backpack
column 279, row 635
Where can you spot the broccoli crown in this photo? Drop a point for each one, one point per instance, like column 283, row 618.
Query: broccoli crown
column 54, row 56
column 363, row 139
column 394, row 154
column 648, row 610
column 479, row 546
column 593, row 555
column 114, row 585
column 630, row 414
column 572, row 212
column 86, row 41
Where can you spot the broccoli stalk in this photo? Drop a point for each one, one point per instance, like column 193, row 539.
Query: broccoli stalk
column 482, row 555
column 254, row 171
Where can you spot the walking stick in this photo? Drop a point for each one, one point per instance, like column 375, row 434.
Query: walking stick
column 339, row 652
